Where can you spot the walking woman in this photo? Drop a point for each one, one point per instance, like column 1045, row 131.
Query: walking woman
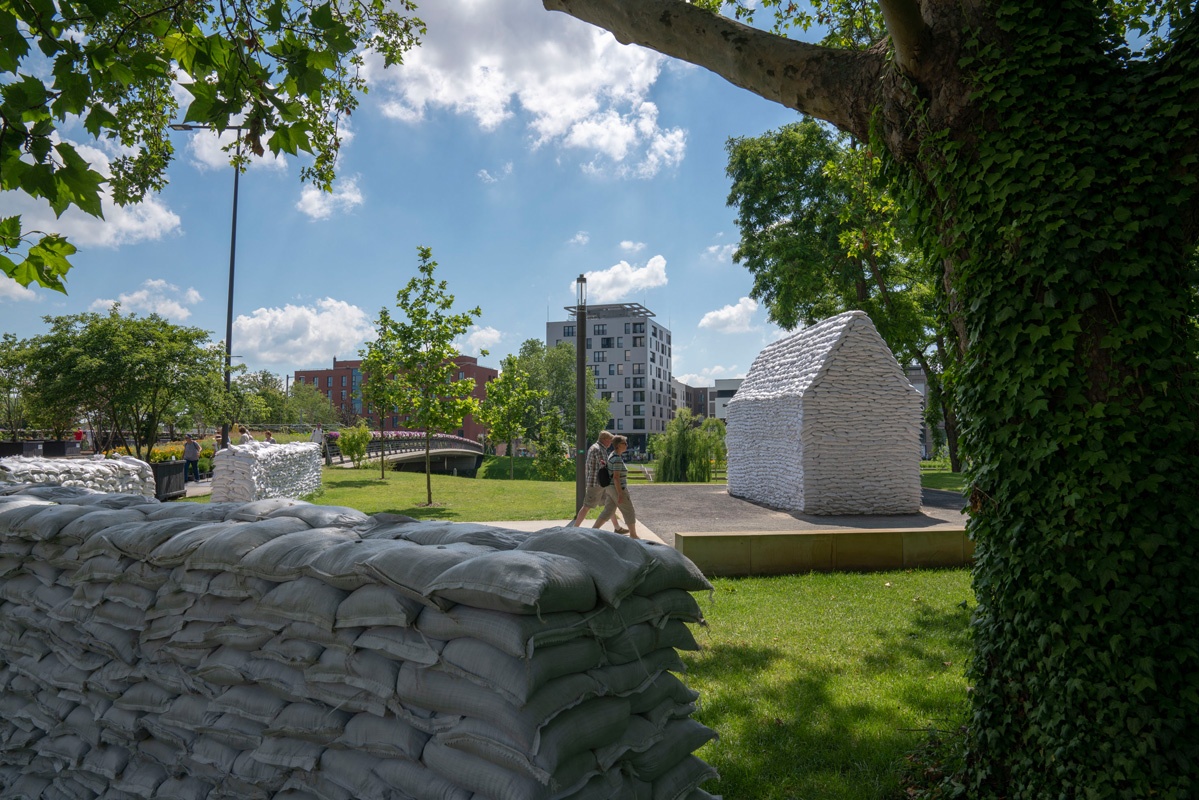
column 617, row 495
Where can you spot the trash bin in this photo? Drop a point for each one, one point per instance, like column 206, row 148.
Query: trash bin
column 169, row 479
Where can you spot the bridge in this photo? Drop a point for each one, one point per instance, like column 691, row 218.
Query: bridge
column 449, row 455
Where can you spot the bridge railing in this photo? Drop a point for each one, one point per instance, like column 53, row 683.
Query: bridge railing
column 397, row 446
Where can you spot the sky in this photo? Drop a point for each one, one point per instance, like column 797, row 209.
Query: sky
column 522, row 146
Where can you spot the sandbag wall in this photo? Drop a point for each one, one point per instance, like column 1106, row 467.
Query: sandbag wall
column 283, row 650
column 259, row 471
column 123, row 475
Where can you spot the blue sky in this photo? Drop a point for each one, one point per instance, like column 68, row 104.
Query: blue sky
column 522, row 146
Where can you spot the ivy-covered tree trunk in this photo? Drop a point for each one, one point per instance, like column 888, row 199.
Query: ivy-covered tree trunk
column 1055, row 175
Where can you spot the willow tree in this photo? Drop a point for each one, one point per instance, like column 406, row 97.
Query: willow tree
column 1051, row 168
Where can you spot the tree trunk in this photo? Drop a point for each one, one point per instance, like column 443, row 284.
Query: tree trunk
column 1055, row 178
column 428, row 471
column 511, row 461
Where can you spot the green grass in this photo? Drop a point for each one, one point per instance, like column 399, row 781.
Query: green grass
column 819, row 685
column 937, row 477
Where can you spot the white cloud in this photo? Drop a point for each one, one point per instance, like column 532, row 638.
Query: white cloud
column 11, row 290
column 487, row 177
column 722, row 253
column 206, row 148
column 147, row 220
column 571, row 84
column 708, row 375
column 619, row 281
column 301, row 337
column 580, row 238
column 318, row 204
column 154, row 297
column 731, row 319
column 479, row 339
column 632, row 247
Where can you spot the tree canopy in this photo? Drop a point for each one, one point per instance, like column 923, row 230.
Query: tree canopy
column 410, row 365
column 1048, row 154
column 285, row 71
column 505, row 410
column 552, row 371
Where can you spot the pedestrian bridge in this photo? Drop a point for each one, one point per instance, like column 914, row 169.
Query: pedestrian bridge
column 449, row 455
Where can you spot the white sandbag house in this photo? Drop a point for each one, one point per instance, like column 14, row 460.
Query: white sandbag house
column 826, row 423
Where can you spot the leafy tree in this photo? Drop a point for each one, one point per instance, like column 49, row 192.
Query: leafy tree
column 821, row 235
column 553, row 447
column 14, row 376
column 125, row 371
column 686, row 449
column 286, row 71
column 271, row 405
column 308, row 406
column 552, row 371
column 410, row 365
column 504, row 411
column 354, row 440
column 1047, row 153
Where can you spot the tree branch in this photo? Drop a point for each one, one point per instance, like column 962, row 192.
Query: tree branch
column 906, row 26
column 837, row 86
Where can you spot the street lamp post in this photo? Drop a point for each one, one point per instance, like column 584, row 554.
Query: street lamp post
column 580, row 392
column 232, row 263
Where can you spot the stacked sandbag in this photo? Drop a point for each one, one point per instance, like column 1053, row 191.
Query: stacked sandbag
column 280, row 649
column 826, row 422
column 259, row 471
column 123, row 475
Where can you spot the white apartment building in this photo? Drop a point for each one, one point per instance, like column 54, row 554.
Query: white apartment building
column 630, row 355
column 720, row 395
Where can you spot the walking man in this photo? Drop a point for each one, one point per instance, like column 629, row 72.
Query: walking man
column 191, row 458
column 597, row 456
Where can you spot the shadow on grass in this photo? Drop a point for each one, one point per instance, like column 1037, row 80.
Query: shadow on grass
column 823, row 730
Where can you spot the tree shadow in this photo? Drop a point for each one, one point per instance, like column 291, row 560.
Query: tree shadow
column 808, row 736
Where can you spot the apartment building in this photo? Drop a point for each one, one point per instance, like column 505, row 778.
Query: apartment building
column 630, row 355
column 343, row 386
column 691, row 398
column 720, row 395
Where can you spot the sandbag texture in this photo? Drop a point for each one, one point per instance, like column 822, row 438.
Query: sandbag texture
column 123, row 475
column 258, row 471
column 276, row 649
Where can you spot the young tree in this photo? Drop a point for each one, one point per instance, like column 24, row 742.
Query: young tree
column 286, row 71
column 354, row 440
column 128, row 371
column 822, row 234
column 509, row 397
column 308, row 406
column 14, row 384
column 1050, row 166
column 553, row 447
column 552, row 371
column 271, row 407
column 410, row 365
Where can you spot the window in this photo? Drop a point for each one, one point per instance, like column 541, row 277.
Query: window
column 627, row 382
column 343, row 395
column 329, row 394
column 638, row 424
column 638, row 341
column 600, row 330
column 620, row 369
column 620, row 397
column 601, row 383
column 620, row 424
column 461, row 375
column 611, row 369
column 638, row 411
column 653, row 358
column 638, row 383
column 343, row 380
column 638, row 368
column 599, row 355
column 607, row 341
column 568, row 331
column 638, row 327
column 606, row 396
column 329, row 382
column 627, row 327
column 628, row 355
column 595, row 370
column 620, row 341
column 653, row 331
column 638, row 397
column 587, row 345
column 627, row 413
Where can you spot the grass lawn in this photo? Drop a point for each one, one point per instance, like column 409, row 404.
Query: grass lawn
column 820, row 684
column 938, row 477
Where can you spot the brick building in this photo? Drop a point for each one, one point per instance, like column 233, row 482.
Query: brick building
column 342, row 385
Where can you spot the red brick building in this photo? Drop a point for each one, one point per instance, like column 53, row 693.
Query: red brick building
column 342, row 385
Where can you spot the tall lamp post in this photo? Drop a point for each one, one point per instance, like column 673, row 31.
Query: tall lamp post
column 580, row 392
column 232, row 262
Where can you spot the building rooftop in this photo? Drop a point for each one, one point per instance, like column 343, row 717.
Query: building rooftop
column 610, row 310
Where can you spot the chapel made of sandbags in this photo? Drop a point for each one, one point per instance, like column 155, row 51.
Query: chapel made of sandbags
column 826, row 423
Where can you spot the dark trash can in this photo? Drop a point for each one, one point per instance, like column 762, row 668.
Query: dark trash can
column 169, row 479
column 60, row 448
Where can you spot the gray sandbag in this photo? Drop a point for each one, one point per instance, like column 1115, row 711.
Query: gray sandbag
column 289, row 753
column 323, row 516
column 224, row 666
column 618, row 564
column 197, row 512
column 241, row 587
column 225, row 550
column 401, row 644
column 47, row 523
column 249, row 702
column 303, row 600
column 294, row 652
column 174, row 551
column 496, row 783
column 338, row 564
column 235, row 731
column 80, row 529
column 516, row 678
column 682, row 779
column 419, row 781
column 412, row 569
column 260, row 509
column 384, row 737
column 375, row 605
column 310, row 722
column 518, row 582
column 354, row 772
column 516, row 635
column 672, row 570
column 435, row 533
column 284, row 559
column 680, row 739
column 643, row 638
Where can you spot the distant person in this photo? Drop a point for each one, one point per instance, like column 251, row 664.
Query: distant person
column 597, row 456
column 616, row 495
column 268, row 439
column 191, row 458
column 245, row 438
column 318, row 435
